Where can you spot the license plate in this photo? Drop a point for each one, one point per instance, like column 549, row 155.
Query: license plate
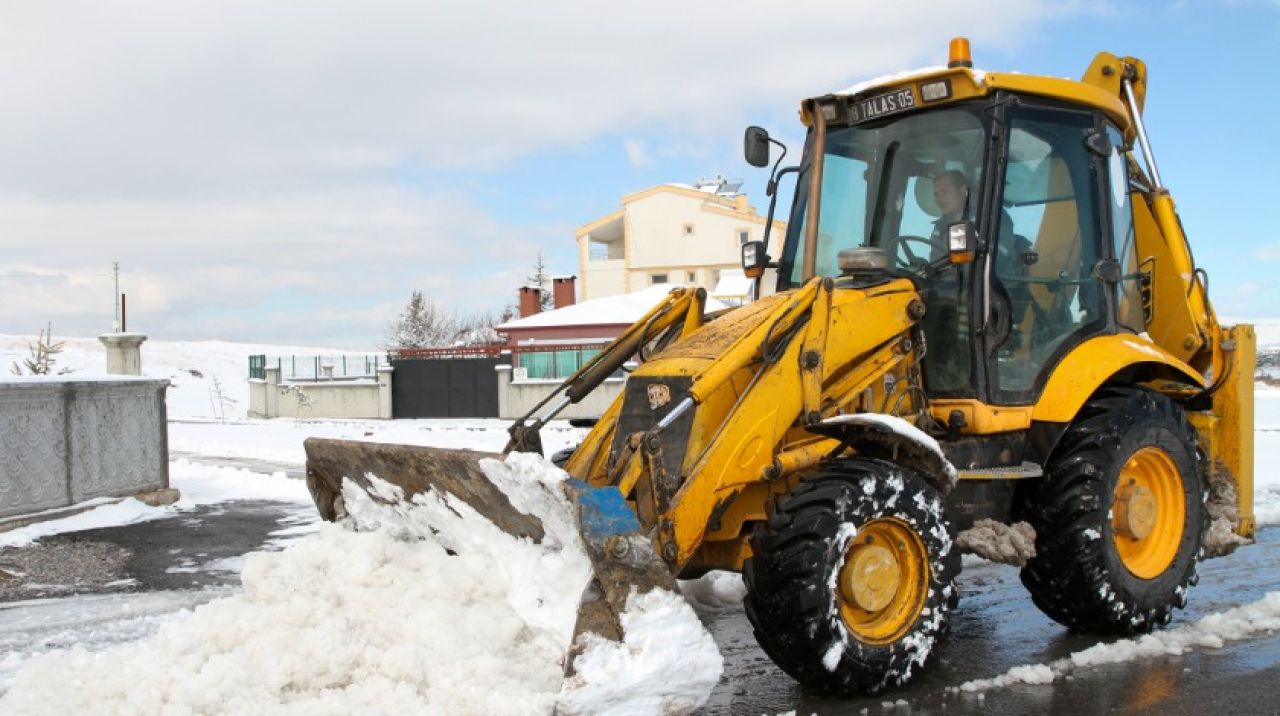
column 883, row 105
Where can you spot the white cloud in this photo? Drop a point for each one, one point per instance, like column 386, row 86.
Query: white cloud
column 231, row 95
column 187, row 263
column 242, row 158
column 1270, row 252
column 637, row 154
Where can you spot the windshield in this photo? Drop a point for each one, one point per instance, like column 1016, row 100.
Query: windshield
column 893, row 184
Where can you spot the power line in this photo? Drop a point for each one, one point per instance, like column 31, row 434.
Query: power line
column 51, row 276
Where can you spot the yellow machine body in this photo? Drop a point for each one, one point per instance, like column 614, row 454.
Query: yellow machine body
column 750, row 434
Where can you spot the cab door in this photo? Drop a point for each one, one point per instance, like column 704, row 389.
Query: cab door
column 1044, row 294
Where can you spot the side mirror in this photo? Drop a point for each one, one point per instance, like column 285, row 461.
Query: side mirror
column 962, row 242
column 755, row 146
column 754, row 259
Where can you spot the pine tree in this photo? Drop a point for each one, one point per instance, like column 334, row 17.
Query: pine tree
column 423, row 325
column 42, row 359
column 542, row 280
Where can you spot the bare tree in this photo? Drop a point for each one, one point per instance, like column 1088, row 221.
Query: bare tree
column 219, row 399
column 422, row 324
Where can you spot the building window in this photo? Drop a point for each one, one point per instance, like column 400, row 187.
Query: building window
column 688, row 231
column 691, row 277
column 744, row 235
column 655, row 278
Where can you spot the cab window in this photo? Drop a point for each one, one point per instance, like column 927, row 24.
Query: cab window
column 1044, row 293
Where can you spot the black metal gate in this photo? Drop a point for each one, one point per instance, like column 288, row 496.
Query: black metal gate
column 444, row 388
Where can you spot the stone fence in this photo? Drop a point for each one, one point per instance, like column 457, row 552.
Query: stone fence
column 66, row 441
column 324, row 398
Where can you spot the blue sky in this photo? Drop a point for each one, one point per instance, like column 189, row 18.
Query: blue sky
column 290, row 173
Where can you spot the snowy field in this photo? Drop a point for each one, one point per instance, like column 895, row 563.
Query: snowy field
column 319, row 624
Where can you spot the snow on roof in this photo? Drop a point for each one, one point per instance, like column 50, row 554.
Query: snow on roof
column 717, row 186
column 623, row 309
column 732, row 284
column 978, row 76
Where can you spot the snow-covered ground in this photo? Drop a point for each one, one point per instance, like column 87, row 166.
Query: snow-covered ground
column 191, row 367
column 311, row 629
column 364, row 620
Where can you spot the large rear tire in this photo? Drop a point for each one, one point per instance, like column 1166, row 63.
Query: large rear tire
column 1119, row 516
column 850, row 578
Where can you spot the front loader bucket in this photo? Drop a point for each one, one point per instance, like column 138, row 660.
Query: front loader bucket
column 415, row 469
column 622, row 557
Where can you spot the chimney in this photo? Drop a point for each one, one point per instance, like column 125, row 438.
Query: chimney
column 530, row 300
column 563, row 289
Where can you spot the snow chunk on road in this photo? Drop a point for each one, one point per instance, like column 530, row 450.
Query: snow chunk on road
column 666, row 663
column 350, row 621
column 1210, row 632
column 715, row 590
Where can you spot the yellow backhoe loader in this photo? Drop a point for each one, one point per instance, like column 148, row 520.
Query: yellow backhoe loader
column 985, row 311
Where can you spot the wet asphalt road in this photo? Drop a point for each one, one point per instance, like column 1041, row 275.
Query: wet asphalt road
column 996, row 627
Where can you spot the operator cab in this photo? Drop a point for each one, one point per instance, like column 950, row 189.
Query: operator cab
column 1009, row 212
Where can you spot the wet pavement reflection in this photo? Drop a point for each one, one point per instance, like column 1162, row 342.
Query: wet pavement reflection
column 996, row 627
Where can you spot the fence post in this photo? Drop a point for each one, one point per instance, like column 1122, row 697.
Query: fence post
column 273, row 392
column 385, row 406
column 504, row 391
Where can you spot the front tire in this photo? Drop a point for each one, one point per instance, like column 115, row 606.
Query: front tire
column 850, row 578
column 1119, row 516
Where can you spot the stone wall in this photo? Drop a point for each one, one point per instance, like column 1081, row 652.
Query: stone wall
column 66, row 441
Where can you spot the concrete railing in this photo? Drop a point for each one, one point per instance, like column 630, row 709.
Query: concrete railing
column 66, row 441
column 361, row 398
column 517, row 397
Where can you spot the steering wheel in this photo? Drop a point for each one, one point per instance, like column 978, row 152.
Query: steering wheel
column 900, row 248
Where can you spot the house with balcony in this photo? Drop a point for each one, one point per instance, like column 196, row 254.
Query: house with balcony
column 680, row 234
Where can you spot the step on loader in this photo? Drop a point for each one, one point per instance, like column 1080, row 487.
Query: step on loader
column 984, row 312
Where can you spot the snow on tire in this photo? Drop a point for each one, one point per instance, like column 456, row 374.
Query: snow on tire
column 828, row 629
column 1119, row 516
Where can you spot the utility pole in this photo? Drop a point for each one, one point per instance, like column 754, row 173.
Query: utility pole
column 115, row 269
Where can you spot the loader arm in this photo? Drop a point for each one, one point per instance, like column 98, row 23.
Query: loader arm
column 676, row 315
column 740, row 395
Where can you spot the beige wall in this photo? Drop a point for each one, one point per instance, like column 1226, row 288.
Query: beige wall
column 517, row 398
column 655, row 240
column 604, row 278
column 369, row 398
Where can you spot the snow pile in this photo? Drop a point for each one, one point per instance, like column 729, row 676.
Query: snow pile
column 363, row 620
column 666, row 663
column 1212, row 632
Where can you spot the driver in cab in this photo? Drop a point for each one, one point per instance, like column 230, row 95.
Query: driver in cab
column 951, row 192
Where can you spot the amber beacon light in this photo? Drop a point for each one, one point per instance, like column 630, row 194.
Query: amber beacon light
column 959, row 56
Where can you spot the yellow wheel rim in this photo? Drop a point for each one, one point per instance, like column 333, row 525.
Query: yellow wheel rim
column 883, row 582
column 1148, row 510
